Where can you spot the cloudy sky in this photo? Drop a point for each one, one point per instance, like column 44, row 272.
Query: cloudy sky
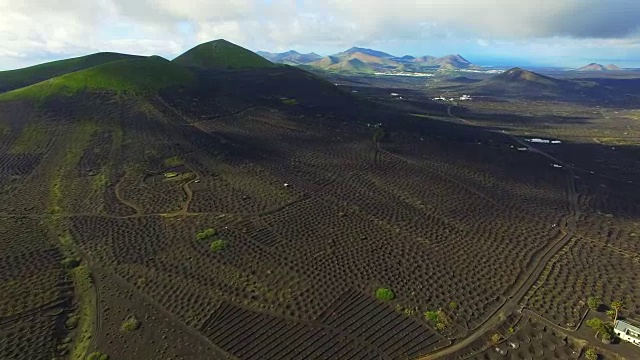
column 534, row 32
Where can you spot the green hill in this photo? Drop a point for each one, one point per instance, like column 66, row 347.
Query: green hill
column 142, row 75
column 222, row 54
column 15, row 79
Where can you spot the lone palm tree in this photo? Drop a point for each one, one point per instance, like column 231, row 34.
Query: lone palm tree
column 617, row 306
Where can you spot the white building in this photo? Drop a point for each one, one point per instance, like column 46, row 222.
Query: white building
column 465, row 97
column 627, row 332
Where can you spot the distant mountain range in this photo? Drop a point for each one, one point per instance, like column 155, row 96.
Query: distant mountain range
column 362, row 60
column 598, row 67
column 290, row 57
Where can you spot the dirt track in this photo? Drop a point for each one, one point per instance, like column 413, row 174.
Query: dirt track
column 513, row 303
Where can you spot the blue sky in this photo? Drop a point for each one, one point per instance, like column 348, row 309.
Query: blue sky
column 564, row 33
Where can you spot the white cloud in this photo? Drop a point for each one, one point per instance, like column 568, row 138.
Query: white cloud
column 35, row 28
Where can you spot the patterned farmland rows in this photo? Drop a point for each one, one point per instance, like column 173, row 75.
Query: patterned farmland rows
column 586, row 268
column 162, row 258
column 251, row 335
column 35, row 291
column 532, row 341
column 349, row 250
column 30, row 269
column 371, row 201
column 259, row 232
column 512, row 184
column 622, row 234
column 611, row 215
column 18, row 164
column 377, row 324
column 247, row 189
column 33, row 338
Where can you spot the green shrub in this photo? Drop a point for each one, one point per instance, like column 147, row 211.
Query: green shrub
column 71, row 263
column 205, row 234
column 97, row 356
column 72, row 322
column 218, row 245
column 594, row 302
column 432, row 316
column 290, row 101
column 385, row 294
column 599, row 326
column 131, row 323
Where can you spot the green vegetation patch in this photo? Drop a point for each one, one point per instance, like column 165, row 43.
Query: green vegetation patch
column 205, row 234
column 385, row 294
column 222, row 54
column 619, row 141
column 83, row 283
column 71, row 262
column 15, row 79
column 217, row 245
column 79, row 139
column 131, row 323
column 602, row 328
column 290, row 101
column 97, row 356
column 180, row 177
column 594, row 302
column 173, row 161
column 439, row 318
column 591, row 354
column 146, row 75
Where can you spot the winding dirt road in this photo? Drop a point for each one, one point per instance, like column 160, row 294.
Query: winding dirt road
column 526, row 282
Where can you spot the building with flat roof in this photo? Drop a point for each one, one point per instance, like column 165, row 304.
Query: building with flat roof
column 627, row 332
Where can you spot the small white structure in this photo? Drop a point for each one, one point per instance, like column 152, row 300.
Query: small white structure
column 465, row 97
column 627, row 332
column 394, row 94
column 539, row 141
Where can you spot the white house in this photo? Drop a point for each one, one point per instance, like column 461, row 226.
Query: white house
column 627, row 332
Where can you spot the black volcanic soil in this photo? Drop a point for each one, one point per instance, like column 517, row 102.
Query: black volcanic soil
column 314, row 216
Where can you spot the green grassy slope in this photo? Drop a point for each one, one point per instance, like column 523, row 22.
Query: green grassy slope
column 15, row 79
column 144, row 75
column 222, row 54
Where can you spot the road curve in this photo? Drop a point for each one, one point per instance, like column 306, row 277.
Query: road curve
column 513, row 303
